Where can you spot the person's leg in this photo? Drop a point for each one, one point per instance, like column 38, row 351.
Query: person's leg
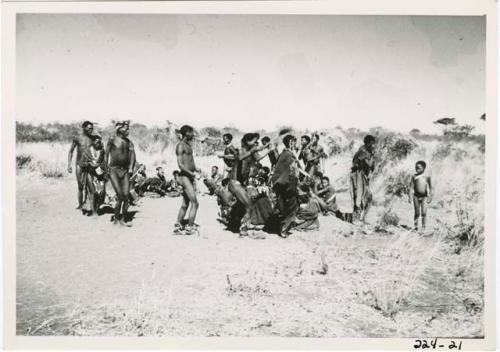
column 91, row 194
column 115, row 182
column 125, row 189
column 241, row 195
column 190, row 191
column 423, row 211
column 354, row 195
column 416, row 206
column 184, row 205
column 80, row 182
column 291, row 207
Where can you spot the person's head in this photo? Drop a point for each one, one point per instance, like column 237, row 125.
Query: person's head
column 262, row 180
column 159, row 171
column 96, row 141
column 187, row 132
column 225, row 182
column 315, row 138
column 420, row 166
column 215, row 170
column 289, row 141
column 249, row 140
column 265, row 170
column 176, row 174
column 369, row 142
column 318, row 175
column 88, row 128
column 227, row 138
column 304, row 140
column 122, row 128
column 265, row 140
column 325, row 181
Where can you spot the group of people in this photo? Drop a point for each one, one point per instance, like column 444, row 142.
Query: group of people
column 287, row 196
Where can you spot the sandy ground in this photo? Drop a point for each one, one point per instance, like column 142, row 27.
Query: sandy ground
column 81, row 275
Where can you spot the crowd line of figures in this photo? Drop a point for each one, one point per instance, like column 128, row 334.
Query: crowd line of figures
column 285, row 197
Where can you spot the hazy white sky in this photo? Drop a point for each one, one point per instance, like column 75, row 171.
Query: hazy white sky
column 252, row 71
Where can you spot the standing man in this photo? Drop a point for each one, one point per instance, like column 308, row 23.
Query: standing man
column 119, row 161
column 284, row 182
column 186, row 179
column 82, row 144
column 229, row 156
column 317, row 153
column 273, row 153
column 363, row 165
column 306, row 153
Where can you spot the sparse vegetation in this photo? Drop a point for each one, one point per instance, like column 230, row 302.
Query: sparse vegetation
column 388, row 282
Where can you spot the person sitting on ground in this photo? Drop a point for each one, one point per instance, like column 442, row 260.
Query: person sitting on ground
column 213, row 181
column 173, row 189
column 244, row 169
column 327, row 196
column 225, row 200
column 138, row 183
column 262, row 207
column 308, row 212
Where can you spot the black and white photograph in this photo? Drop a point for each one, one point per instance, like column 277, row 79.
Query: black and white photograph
column 250, row 175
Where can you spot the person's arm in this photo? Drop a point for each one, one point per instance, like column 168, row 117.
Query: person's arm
column 132, row 157
column 429, row 198
column 70, row 155
column 321, row 191
column 227, row 157
column 106, row 155
column 179, row 151
column 246, row 154
column 410, row 189
column 333, row 196
column 261, row 156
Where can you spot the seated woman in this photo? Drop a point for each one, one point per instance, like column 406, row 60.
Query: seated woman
column 309, row 210
column 262, row 207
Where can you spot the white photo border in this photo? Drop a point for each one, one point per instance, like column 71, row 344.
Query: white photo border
column 9, row 10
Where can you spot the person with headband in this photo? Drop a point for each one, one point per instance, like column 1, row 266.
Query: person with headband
column 119, row 162
column 186, row 179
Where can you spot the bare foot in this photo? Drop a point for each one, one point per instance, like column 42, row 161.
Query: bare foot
column 126, row 224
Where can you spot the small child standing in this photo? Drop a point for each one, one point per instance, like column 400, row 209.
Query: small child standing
column 422, row 189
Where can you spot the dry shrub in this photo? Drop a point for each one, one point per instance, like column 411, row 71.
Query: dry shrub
column 401, row 266
column 23, row 160
column 397, row 185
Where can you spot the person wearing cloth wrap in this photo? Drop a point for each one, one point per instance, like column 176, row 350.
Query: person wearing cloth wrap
column 119, row 161
column 363, row 164
column 284, row 181
column 245, row 167
column 186, row 179
column 82, row 144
